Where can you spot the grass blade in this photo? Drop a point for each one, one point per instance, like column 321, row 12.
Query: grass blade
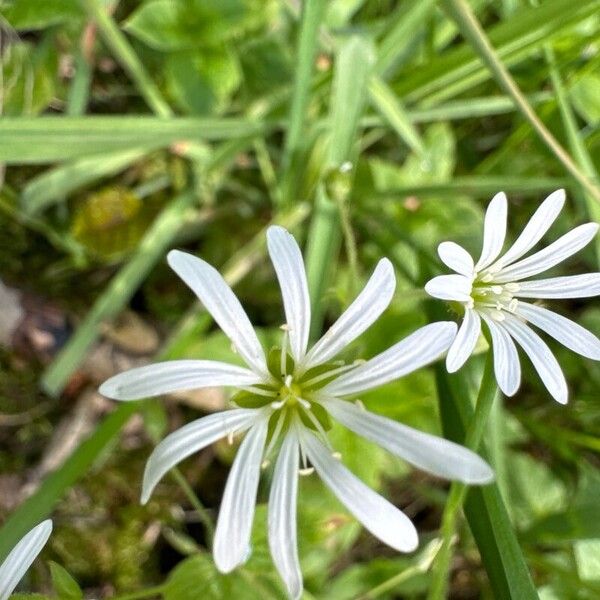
column 472, row 30
column 49, row 139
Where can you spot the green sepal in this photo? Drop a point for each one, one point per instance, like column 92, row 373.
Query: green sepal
column 321, row 415
column 245, row 399
column 274, row 363
column 320, row 370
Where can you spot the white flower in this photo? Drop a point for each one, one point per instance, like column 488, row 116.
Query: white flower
column 286, row 400
column 493, row 288
column 21, row 557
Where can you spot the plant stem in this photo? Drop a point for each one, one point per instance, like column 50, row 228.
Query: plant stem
column 485, row 400
column 472, row 30
column 123, row 52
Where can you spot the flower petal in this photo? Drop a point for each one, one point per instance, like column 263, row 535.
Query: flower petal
column 223, row 305
column 359, row 316
column 567, row 332
column 464, row 343
column 417, row 350
column 574, row 286
column 174, row 375
column 555, row 253
column 380, row 517
column 428, row 452
column 450, row 287
column 507, row 366
column 494, row 231
column 234, row 525
column 457, row 258
column 289, row 266
column 21, row 557
column 192, row 438
column 535, row 229
column 540, row 355
column 283, row 540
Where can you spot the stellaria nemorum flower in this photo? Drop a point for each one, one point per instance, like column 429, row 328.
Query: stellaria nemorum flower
column 285, row 400
column 494, row 289
column 21, row 557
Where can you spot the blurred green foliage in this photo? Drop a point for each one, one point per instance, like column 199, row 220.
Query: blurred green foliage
column 429, row 137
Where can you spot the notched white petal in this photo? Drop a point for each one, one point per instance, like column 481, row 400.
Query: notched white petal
column 190, row 439
column 555, row 253
column 428, row 452
column 507, row 366
column 378, row 515
column 282, row 516
column 358, row 317
column 494, row 231
column 417, row 350
column 22, row 556
column 541, row 357
column 175, row 375
column 234, row 524
column 567, row 332
column 586, row 285
column 220, row 301
column 456, row 258
column 538, row 225
column 464, row 343
column 289, row 267
column 450, row 287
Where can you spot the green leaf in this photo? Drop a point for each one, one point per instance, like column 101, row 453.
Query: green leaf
column 64, row 585
column 202, row 82
column 183, row 24
column 39, row 14
column 27, row 77
column 585, row 95
column 587, row 557
column 48, row 139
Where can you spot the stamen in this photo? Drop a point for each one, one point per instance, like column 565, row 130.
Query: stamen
column 306, row 471
column 259, row 391
column 487, row 278
column 230, row 435
column 512, row 307
column 276, row 432
column 337, row 455
column 320, row 429
column 360, row 404
column 497, row 289
column 331, row 373
column 303, row 402
column 277, row 405
column 265, row 463
column 284, row 344
column 288, row 381
column 512, row 287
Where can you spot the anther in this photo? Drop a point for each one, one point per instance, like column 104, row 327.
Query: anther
column 337, row 455
column 306, row 471
column 230, row 438
column 512, row 307
column 265, row 463
column 360, row 404
column 278, row 404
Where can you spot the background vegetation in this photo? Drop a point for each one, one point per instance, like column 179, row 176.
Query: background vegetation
column 369, row 128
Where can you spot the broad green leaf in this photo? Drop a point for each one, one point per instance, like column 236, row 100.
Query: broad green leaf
column 585, row 95
column 64, row 585
column 38, row 14
column 201, row 82
column 183, row 24
column 27, row 78
column 587, row 557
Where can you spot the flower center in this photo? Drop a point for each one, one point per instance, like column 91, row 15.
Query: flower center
column 498, row 297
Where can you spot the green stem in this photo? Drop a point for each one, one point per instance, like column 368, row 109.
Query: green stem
column 472, row 30
column 123, row 52
column 195, row 502
column 485, row 400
